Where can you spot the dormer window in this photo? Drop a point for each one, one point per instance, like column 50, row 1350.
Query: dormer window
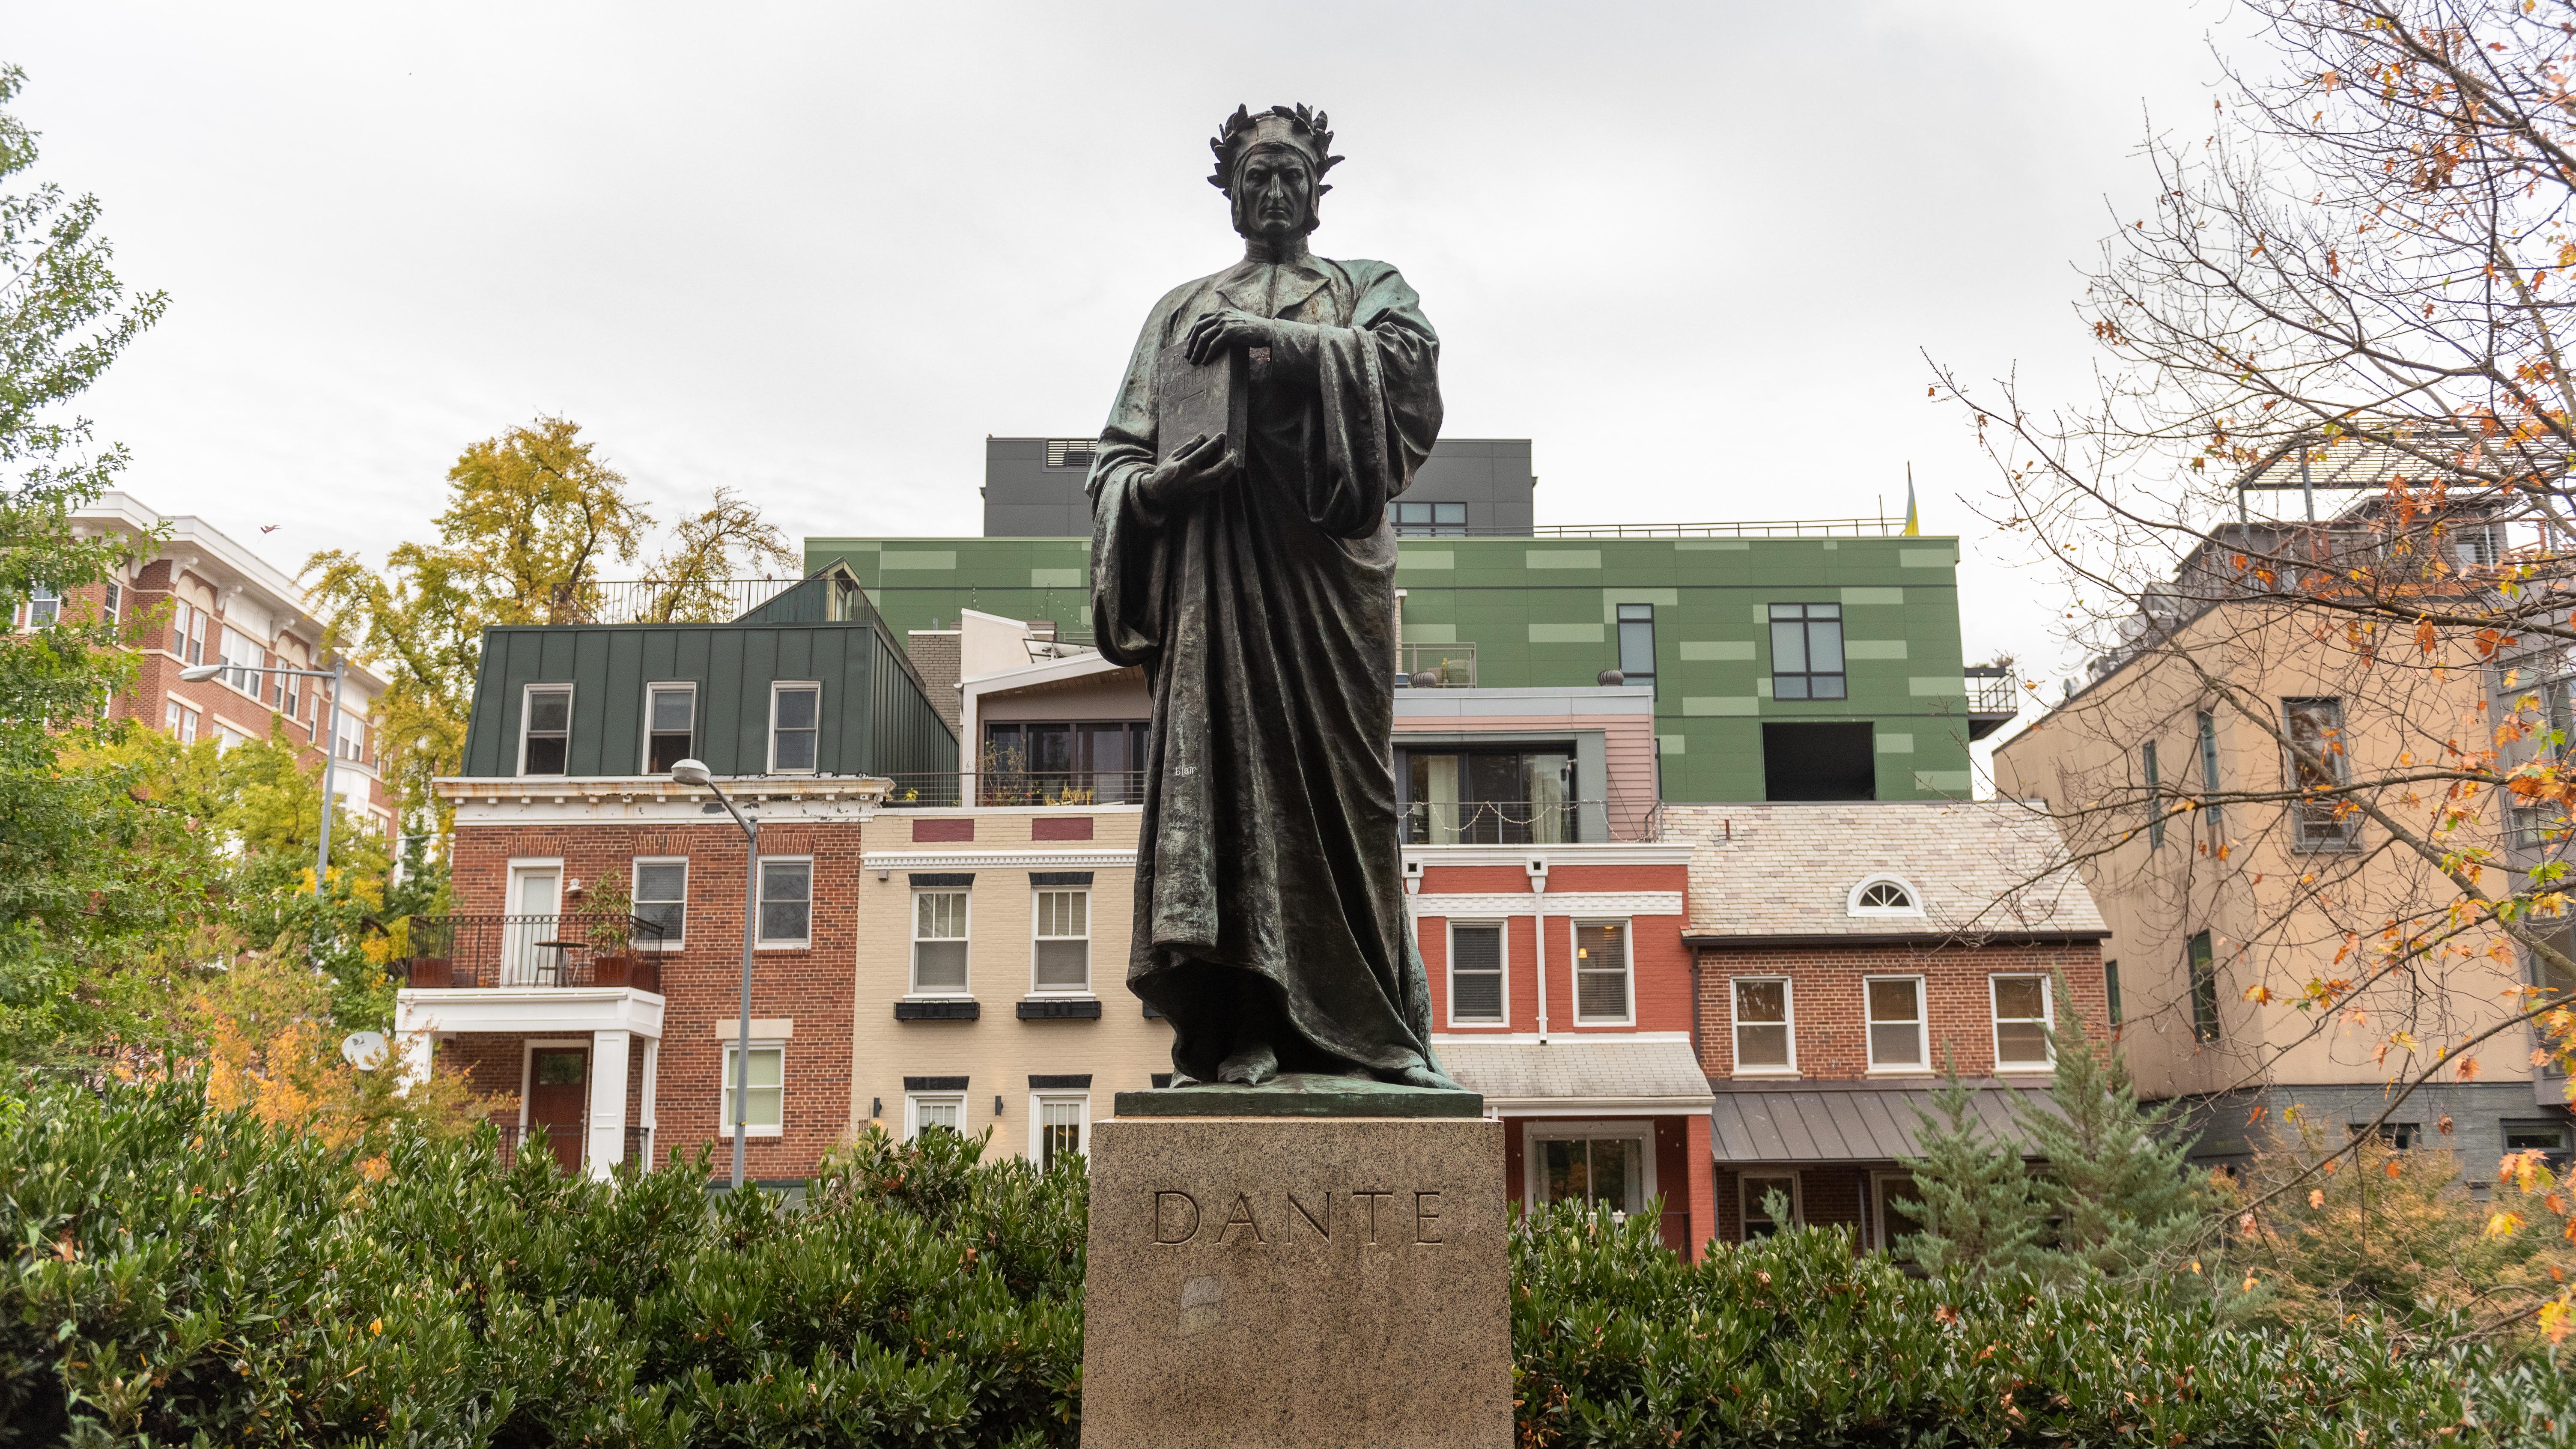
column 1884, row 895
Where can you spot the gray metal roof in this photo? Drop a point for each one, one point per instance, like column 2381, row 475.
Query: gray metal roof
column 1830, row 1123
column 1587, row 1069
column 1981, row 868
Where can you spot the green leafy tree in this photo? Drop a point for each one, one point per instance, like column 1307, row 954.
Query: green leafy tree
column 68, row 895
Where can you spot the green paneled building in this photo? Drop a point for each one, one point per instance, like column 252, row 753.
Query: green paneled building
column 1730, row 630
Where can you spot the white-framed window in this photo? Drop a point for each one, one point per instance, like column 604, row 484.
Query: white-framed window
column 1062, row 947
column 2021, row 1021
column 545, row 729
column 1754, row 1187
column 1884, row 895
column 290, row 696
column 1476, row 985
column 795, row 726
column 939, row 923
column 925, row 1110
column 765, row 1108
column 1603, row 1164
column 661, row 895
column 44, row 605
column 670, row 725
column 192, row 634
column 1895, row 1006
column 786, row 901
column 1059, row 1123
column 244, row 657
column 112, row 603
column 1601, row 995
column 1766, row 1038
column 182, row 722
column 352, row 741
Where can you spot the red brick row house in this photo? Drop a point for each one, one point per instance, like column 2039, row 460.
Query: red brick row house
column 1846, row 954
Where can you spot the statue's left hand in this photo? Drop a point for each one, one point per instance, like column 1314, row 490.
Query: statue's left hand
column 1215, row 332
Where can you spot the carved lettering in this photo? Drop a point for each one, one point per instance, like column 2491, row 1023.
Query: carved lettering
column 1426, row 1217
column 1241, row 1217
column 1323, row 1227
column 1372, row 1197
column 1192, row 1231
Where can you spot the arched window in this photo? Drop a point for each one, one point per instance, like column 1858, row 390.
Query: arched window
column 1885, row 895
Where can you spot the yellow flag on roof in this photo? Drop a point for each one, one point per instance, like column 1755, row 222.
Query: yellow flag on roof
column 1913, row 520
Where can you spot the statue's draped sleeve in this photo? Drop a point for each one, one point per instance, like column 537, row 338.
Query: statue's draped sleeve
column 1377, row 384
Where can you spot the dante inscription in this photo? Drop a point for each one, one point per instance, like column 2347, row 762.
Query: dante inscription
column 1175, row 1220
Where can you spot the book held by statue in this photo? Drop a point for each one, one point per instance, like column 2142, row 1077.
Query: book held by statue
column 1193, row 398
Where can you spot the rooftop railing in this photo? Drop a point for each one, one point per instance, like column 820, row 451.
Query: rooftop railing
column 572, row 948
column 1992, row 690
column 1435, row 666
column 650, row 601
column 948, row 790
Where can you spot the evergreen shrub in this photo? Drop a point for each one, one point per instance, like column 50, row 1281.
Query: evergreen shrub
column 182, row 1276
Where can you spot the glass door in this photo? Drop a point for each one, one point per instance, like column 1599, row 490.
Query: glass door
column 528, row 952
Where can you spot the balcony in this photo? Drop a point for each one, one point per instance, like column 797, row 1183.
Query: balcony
column 1528, row 822
column 1016, row 787
column 568, row 950
column 563, row 1144
column 1994, row 698
column 1435, row 666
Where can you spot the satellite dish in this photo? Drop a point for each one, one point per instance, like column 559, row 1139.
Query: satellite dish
column 364, row 1050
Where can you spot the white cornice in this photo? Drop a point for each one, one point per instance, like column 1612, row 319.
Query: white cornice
column 1555, row 903
column 655, row 800
column 996, row 859
column 1554, row 855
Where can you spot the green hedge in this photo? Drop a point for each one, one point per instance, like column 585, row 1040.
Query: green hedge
column 177, row 1276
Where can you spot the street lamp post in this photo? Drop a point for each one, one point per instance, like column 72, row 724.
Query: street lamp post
column 694, row 772
column 330, row 743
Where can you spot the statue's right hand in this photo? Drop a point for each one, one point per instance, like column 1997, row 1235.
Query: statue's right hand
column 1199, row 467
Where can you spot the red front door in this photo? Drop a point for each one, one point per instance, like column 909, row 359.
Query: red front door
column 558, row 1093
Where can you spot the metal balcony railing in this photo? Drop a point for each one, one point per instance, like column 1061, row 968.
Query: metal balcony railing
column 1499, row 822
column 570, row 948
column 651, row 601
column 638, row 1143
column 1442, row 666
column 1992, row 690
column 1017, row 787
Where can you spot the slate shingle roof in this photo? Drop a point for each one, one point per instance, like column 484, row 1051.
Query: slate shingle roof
column 1980, row 868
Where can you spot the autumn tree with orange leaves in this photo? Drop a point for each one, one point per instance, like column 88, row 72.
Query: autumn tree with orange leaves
column 2319, row 540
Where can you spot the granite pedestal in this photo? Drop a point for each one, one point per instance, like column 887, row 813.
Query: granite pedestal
column 1331, row 1272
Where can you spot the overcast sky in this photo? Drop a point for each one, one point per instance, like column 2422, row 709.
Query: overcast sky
column 1695, row 252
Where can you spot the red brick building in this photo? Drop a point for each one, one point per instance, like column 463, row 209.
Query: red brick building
column 1846, row 954
column 211, row 601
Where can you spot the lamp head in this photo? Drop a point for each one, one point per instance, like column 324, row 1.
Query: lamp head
column 201, row 673
column 691, row 772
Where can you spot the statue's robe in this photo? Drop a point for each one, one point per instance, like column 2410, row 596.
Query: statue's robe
column 1263, row 613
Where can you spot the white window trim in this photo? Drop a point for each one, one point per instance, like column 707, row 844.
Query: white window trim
column 1036, row 989
column 1574, row 968
column 775, row 686
column 526, row 695
column 724, row 1083
column 644, row 741
column 1503, row 927
column 912, row 1102
column 1038, row 1100
column 1853, row 907
column 1922, row 1029
column 912, row 939
column 2047, row 1017
column 1640, row 1130
column 634, row 878
column 1789, row 1019
column 805, row 942
column 1744, row 1198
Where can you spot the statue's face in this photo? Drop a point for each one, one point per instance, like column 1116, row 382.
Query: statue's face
column 1274, row 195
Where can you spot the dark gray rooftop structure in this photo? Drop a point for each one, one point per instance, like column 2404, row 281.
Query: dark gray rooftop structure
column 1033, row 488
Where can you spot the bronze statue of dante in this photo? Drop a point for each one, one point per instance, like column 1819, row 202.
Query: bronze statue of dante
column 1256, row 588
